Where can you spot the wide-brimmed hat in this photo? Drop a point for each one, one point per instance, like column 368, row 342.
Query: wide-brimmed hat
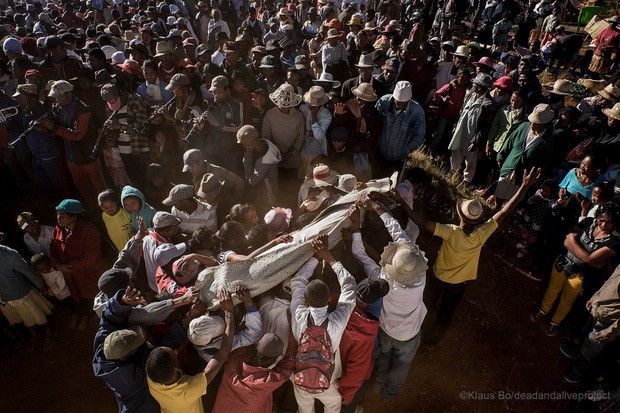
column 356, row 20
column 370, row 26
column 470, row 210
column 316, row 96
column 461, row 51
column 324, row 176
column 611, row 93
column 315, row 203
column 559, row 87
column 327, row 78
column 210, row 187
column 365, row 60
column 285, row 96
column 614, row 112
column 333, row 33
column 541, row 114
column 404, row 263
column 118, row 58
column 163, row 48
column 284, row 12
column 129, row 35
column 278, row 219
column 365, row 92
column 485, row 61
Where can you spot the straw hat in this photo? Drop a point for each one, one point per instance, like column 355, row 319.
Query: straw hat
column 611, row 93
column 461, row 51
column 285, row 96
column 365, row 61
column 370, row 26
column 470, row 210
column 284, row 12
column 560, row 87
column 327, row 78
column 210, row 188
column 315, row 203
column 163, row 48
column 356, row 20
column 614, row 112
column 365, row 92
column 404, row 262
column 128, row 35
column 541, row 114
column 333, row 34
column 316, row 96
column 324, row 176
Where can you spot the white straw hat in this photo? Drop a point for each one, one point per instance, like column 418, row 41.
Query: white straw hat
column 404, row 262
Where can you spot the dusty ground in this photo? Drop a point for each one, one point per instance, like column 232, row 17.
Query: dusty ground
column 491, row 347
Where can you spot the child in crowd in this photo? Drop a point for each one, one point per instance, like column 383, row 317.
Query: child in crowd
column 157, row 186
column 134, row 203
column 176, row 391
column 602, row 193
column 534, row 213
column 54, row 280
column 116, row 219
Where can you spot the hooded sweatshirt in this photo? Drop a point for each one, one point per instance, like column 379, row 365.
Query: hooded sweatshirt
column 147, row 212
column 127, row 379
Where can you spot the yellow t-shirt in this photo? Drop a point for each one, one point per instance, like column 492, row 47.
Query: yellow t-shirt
column 118, row 227
column 459, row 253
column 184, row 396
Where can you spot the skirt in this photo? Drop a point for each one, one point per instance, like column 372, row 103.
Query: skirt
column 600, row 65
column 30, row 310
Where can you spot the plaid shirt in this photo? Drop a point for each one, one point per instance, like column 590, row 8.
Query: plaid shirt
column 137, row 114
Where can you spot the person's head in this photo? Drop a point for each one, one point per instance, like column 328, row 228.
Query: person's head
column 96, row 59
column 259, row 235
column 244, row 214
column 603, row 192
column 56, row 47
column 540, row 118
column 150, row 71
column 61, row 92
column 568, row 117
column 463, row 77
column 132, row 204
column 370, row 290
column 204, row 239
column 219, row 88
column 418, row 177
column 162, row 366
column 108, row 202
column 41, row 263
column 390, row 69
column 316, row 294
column 267, row 350
column 27, row 222
column 518, row 99
column 194, row 162
column 232, row 235
column 27, row 96
column 607, row 216
column 402, row 94
column 591, row 166
column 292, row 77
column 68, row 211
column 549, row 188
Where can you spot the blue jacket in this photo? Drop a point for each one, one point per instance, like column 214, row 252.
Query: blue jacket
column 16, row 276
column 147, row 212
column 401, row 133
column 43, row 146
column 127, row 379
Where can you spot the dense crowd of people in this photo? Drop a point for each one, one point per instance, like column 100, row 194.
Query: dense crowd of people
column 182, row 135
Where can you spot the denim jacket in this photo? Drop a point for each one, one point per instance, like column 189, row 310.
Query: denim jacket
column 402, row 132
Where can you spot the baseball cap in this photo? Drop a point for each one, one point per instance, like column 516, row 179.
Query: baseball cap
column 164, row 219
column 120, row 343
column 59, row 88
column 371, row 289
column 218, row 83
column 165, row 253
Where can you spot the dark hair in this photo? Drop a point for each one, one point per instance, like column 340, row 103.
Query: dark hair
column 316, row 294
column 522, row 93
column 305, row 219
column 96, row 53
column 610, row 209
column 107, row 196
column 38, row 260
column 238, row 211
column 200, row 236
column 292, row 70
column 596, row 161
column 230, row 231
column 552, row 184
column 607, row 189
column 417, row 175
column 161, row 364
column 150, row 64
column 571, row 112
column 259, row 236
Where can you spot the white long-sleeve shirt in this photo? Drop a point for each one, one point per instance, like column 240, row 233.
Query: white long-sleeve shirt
column 403, row 309
column 338, row 318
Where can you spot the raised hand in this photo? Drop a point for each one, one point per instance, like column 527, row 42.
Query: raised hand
column 132, row 296
column 225, row 301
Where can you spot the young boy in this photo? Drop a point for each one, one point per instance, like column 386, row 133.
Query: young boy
column 174, row 390
column 133, row 202
column 117, row 221
column 54, row 280
column 309, row 309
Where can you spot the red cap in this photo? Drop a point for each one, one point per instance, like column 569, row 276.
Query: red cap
column 504, row 82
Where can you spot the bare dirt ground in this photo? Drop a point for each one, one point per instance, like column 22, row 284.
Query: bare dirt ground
column 491, row 347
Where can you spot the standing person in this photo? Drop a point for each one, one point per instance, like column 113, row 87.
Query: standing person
column 457, row 262
column 23, row 303
column 76, row 251
column 284, row 125
column 606, row 45
column 311, row 322
column 317, row 118
column 260, row 161
column 404, row 267
column 403, row 128
column 37, row 237
column 74, row 125
column 475, row 116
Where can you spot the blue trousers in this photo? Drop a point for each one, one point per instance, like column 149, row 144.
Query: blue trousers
column 392, row 364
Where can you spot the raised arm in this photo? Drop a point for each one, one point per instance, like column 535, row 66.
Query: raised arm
column 215, row 364
column 529, row 179
column 371, row 269
column 418, row 218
